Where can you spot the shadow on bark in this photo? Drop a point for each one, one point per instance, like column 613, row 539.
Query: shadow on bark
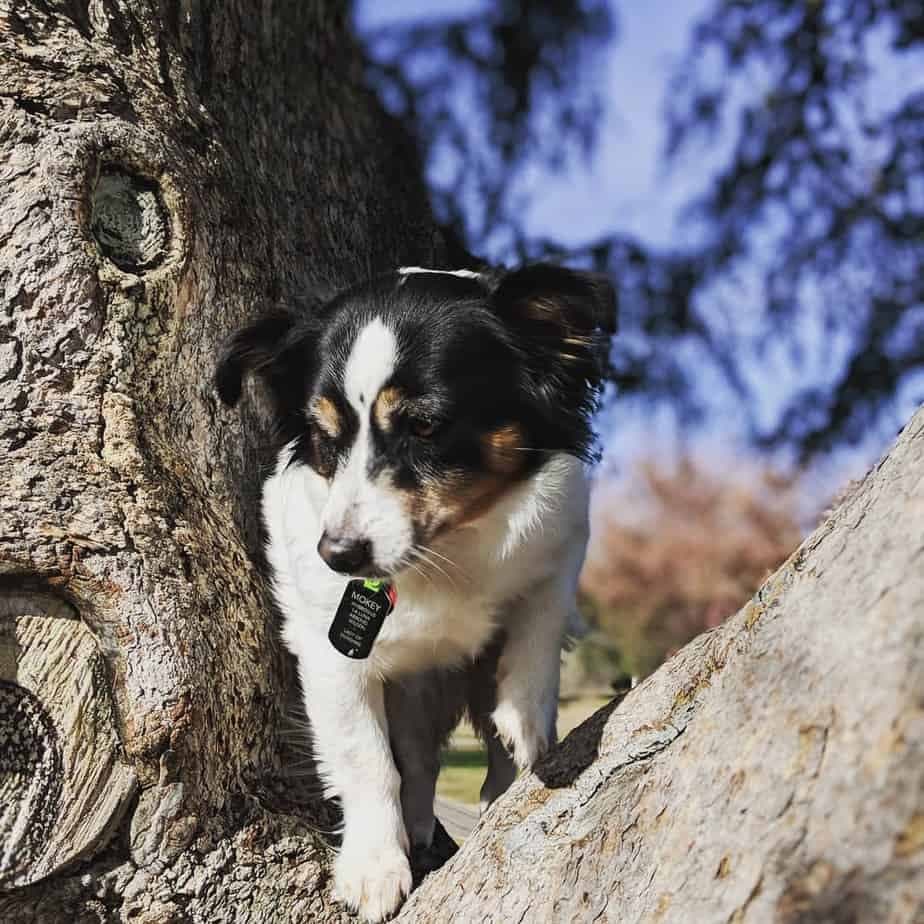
column 562, row 767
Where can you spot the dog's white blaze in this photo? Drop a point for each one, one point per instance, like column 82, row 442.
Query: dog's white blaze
column 358, row 507
column 369, row 366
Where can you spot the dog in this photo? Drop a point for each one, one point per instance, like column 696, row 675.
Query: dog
column 435, row 429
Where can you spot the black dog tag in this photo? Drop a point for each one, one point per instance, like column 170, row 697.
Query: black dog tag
column 363, row 608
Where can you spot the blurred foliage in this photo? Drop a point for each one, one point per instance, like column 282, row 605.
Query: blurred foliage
column 675, row 552
column 824, row 177
column 820, row 201
column 482, row 90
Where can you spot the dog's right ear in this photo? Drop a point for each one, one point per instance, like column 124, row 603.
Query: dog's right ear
column 254, row 348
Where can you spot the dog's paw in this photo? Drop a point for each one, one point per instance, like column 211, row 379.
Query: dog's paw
column 523, row 733
column 372, row 879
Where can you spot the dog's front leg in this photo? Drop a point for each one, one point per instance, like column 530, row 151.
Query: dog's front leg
column 528, row 670
column 346, row 704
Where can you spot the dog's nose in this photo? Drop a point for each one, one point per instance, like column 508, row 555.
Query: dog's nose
column 348, row 556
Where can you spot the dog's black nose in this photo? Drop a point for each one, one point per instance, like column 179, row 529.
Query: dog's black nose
column 348, row 556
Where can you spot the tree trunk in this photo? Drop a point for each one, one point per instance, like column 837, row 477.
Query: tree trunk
column 167, row 170
column 773, row 770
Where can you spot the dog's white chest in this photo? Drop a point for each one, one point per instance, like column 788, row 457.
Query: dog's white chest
column 447, row 610
column 432, row 627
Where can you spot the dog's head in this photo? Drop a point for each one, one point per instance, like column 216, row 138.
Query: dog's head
column 423, row 396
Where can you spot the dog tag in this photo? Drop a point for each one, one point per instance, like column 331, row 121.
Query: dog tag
column 358, row 619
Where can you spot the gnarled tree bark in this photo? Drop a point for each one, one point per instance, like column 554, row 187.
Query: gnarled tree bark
column 167, row 170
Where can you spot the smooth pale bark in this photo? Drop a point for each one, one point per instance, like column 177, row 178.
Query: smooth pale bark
column 773, row 770
column 166, row 171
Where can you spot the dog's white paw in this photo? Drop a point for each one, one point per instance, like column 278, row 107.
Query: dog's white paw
column 523, row 731
column 373, row 879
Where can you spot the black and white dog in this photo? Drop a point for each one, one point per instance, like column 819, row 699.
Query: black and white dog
column 434, row 428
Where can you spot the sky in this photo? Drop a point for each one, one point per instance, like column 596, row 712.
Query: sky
column 626, row 187
column 623, row 186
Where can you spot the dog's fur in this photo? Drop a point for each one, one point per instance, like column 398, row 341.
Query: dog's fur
column 434, row 427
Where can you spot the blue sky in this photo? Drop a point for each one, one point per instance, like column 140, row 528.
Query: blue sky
column 625, row 187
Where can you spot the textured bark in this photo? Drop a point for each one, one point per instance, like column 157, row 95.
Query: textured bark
column 63, row 785
column 167, row 170
column 773, row 770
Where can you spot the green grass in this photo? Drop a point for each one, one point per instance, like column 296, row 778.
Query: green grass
column 465, row 761
column 462, row 775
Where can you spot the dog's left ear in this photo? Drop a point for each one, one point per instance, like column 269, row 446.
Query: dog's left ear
column 258, row 348
column 564, row 318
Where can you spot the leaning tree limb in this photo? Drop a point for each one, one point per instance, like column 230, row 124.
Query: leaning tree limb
column 773, row 770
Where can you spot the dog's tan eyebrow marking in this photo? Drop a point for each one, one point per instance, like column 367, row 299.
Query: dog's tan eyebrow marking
column 502, row 448
column 388, row 401
column 325, row 413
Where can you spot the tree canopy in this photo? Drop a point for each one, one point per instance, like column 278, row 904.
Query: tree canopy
column 816, row 210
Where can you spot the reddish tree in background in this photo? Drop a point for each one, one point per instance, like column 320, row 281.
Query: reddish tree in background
column 676, row 551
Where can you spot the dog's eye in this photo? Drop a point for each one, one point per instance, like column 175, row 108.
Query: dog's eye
column 325, row 452
column 423, row 428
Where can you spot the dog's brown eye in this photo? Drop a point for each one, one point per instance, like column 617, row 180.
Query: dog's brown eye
column 325, row 452
column 423, row 428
